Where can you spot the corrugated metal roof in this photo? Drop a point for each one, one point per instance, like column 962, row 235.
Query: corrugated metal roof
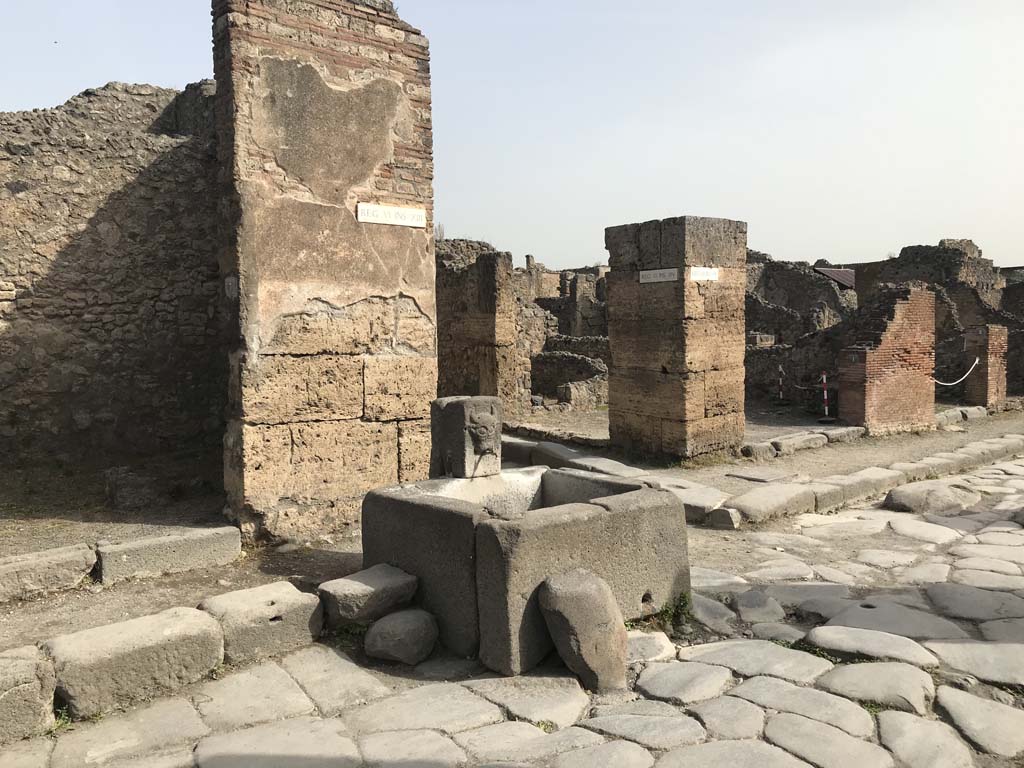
column 845, row 277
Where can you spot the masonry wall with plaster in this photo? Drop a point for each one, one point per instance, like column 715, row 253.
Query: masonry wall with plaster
column 677, row 342
column 324, row 107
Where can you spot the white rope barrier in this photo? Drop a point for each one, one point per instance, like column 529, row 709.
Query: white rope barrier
column 977, row 362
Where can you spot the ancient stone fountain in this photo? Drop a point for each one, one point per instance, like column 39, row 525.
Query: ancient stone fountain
column 482, row 540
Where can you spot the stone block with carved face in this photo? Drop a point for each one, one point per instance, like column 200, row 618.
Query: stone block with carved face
column 466, row 437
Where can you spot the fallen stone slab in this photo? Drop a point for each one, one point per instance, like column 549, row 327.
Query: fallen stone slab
column 556, row 700
column 644, row 646
column 305, row 741
column 265, row 621
column 157, row 727
column 659, row 733
column 931, row 497
column 844, row 434
column 587, row 628
column 818, row 705
column 892, row 684
column 897, row 619
column 26, row 694
column 115, row 665
column 522, row 742
column 787, row 445
column 723, row 519
column 758, row 451
column 974, row 412
column 774, row 500
column 407, row 636
column 730, row 754
column 37, row 573
column 366, row 596
column 683, row 683
column 728, row 717
column 187, row 550
column 920, row 743
column 331, row 679
column 411, row 748
column 992, row 727
column 621, row 754
column 960, row 601
column 700, row 502
column 444, row 707
column 949, row 416
column 872, row 644
column 822, row 745
column 759, row 657
column 1000, row 662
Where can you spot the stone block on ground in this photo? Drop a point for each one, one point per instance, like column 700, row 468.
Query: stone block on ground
column 115, row 665
column 938, row 497
column 871, row 643
column 36, row 573
column 712, row 614
column 26, row 694
column 157, row 727
column 649, row 646
column 827, row 497
column 257, row 694
column 844, row 434
column 367, row 595
column 179, row 552
column 774, row 500
column 683, row 682
column 265, row 621
column 407, row 636
column 759, row 451
column 635, row 541
column 974, row 412
column 755, row 607
column 723, row 519
column 699, row 503
column 915, row 471
column 305, row 741
column 790, row 444
column 587, row 628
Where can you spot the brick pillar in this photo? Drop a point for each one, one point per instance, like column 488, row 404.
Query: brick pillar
column 324, row 123
column 987, row 385
column 676, row 327
column 885, row 376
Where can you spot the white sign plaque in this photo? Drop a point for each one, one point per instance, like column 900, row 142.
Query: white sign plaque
column 704, row 274
column 658, row 275
column 369, row 213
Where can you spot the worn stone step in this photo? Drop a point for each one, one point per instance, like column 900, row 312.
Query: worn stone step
column 179, row 552
column 36, row 573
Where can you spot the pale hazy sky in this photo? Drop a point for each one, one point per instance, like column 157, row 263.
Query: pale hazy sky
column 839, row 130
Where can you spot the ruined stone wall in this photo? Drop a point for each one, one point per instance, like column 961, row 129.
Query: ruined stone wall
column 676, row 380
column 550, row 370
column 111, row 343
column 595, row 347
column 885, row 375
column 323, row 106
column 793, row 287
column 481, row 346
column 1013, row 300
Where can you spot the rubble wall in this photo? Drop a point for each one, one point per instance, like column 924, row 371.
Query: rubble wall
column 111, row 343
column 323, row 107
column 987, row 384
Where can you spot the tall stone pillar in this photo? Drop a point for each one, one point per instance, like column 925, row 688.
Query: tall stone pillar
column 885, row 375
column 987, row 384
column 676, row 326
column 324, row 124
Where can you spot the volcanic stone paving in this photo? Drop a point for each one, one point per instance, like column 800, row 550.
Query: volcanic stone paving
column 909, row 652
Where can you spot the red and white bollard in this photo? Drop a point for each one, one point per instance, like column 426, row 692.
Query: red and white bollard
column 781, row 374
column 827, row 419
